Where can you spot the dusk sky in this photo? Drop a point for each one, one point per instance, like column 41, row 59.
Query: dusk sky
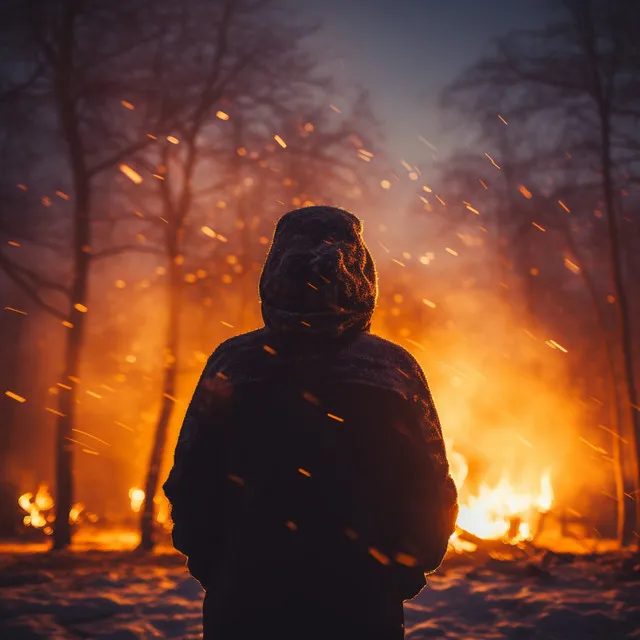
column 406, row 51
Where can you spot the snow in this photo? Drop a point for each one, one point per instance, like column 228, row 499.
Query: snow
column 103, row 589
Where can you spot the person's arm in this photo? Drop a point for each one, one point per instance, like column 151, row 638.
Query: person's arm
column 437, row 491
column 193, row 486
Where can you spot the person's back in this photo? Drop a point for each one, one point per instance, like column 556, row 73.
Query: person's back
column 310, row 489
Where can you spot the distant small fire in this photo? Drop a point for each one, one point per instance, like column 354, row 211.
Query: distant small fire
column 136, row 496
column 136, row 500
column 40, row 511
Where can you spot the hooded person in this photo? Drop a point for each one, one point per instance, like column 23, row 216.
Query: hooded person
column 310, row 489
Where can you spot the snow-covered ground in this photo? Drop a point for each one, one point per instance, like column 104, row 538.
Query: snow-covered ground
column 112, row 594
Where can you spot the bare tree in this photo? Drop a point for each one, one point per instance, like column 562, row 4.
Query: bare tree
column 567, row 86
column 92, row 62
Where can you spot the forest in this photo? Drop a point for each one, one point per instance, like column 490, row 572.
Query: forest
column 147, row 150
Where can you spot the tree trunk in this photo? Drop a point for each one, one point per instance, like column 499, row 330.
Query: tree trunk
column 147, row 522
column 625, row 522
column 67, row 399
column 629, row 396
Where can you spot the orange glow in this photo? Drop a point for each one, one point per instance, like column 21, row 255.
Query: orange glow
column 222, row 115
column 280, row 141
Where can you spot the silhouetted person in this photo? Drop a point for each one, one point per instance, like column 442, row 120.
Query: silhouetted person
column 310, row 489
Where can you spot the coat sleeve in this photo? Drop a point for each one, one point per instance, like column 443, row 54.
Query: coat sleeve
column 435, row 488
column 194, row 485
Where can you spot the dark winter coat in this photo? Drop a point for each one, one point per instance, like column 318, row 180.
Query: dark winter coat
column 310, row 489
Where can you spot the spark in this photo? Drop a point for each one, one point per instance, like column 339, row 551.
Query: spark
column 493, row 162
column 22, row 187
column 398, row 262
column 406, row 560
column 208, row 232
column 80, row 307
column 222, row 115
column 364, row 152
column 385, row 184
column 84, row 433
column 269, row 350
column 429, row 303
column 13, row 243
column 14, row 396
column 124, row 426
column 379, row 556
column 613, row 433
column 451, row 251
column 304, row 472
column 236, row 479
column 22, row 313
column 226, row 324
column 127, row 105
column 483, row 183
column 468, row 206
column 441, row 201
column 427, row 189
column 572, row 266
column 425, row 141
column 173, row 140
column 335, row 417
column 334, row 108
column 406, row 165
column 524, row 191
column 134, row 176
column 93, row 394
column 82, row 444
column 502, row 119
column 593, row 446
column 554, row 345
column 55, row 412
column 292, row 525
column 564, row 206
column 280, row 141
column 66, row 323
column 537, row 226
column 62, row 194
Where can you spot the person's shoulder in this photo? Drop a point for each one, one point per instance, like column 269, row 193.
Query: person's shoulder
column 374, row 346
column 241, row 343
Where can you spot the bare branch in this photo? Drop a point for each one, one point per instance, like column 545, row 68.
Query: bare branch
column 15, row 273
